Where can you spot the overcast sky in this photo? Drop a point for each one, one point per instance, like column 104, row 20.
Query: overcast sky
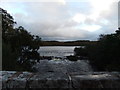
column 65, row 19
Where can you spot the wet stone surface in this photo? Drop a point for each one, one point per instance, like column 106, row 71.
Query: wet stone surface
column 64, row 66
column 60, row 74
column 60, row 80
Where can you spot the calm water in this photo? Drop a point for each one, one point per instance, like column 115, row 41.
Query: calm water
column 57, row 51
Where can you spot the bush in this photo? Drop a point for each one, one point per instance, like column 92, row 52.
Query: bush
column 18, row 45
column 104, row 54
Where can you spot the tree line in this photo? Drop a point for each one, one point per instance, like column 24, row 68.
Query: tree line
column 66, row 43
column 104, row 55
column 19, row 47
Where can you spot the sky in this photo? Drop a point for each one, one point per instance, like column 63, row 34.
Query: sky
column 65, row 20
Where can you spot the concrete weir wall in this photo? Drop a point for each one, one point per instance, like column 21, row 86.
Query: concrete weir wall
column 27, row 80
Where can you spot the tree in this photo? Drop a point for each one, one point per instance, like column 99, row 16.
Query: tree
column 18, row 44
column 105, row 53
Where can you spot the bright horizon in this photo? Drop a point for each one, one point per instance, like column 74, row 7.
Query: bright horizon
column 65, row 20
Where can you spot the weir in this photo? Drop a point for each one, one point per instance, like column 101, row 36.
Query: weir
column 62, row 74
column 26, row 80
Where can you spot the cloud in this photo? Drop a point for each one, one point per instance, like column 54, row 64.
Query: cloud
column 63, row 19
column 79, row 18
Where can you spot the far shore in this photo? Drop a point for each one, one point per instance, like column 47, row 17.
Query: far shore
column 66, row 43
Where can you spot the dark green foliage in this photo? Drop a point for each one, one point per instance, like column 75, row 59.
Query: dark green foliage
column 108, row 52
column 9, row 57
column 66, row 43
column 72, row 58
column 80, row 52
column 104, row 54
column 19, row 46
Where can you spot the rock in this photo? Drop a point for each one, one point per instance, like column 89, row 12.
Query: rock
column 64, row 66
column 26, row 80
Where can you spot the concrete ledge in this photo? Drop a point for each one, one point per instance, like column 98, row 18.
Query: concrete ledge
column 26, row 80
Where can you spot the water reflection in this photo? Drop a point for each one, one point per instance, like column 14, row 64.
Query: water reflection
column 57, row 51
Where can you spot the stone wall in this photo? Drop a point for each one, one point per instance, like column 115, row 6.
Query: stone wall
column 26, row 80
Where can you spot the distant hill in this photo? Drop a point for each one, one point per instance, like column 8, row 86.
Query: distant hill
column 66, row 43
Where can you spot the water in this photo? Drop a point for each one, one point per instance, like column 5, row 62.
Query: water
column 57, row 51
column 63, row 64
